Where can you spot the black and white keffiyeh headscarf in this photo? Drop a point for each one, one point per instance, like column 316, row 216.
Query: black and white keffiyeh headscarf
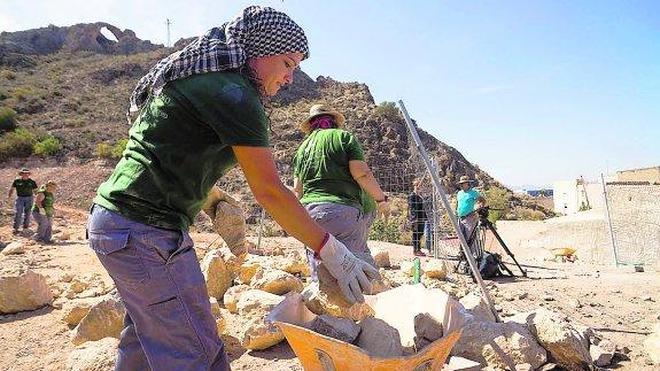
column 256, row 32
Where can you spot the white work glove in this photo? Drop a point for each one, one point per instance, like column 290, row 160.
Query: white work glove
column 352, row 274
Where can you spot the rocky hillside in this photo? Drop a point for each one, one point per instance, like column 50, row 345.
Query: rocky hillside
column 74, row 84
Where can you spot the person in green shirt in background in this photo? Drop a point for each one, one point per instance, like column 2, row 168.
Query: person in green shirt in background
column 200, row 114
column 25, row 188
column 43, row 212
column 335, row 184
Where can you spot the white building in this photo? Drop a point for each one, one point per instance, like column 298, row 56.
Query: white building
column 572, row 196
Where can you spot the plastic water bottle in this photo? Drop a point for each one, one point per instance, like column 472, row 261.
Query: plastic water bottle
column 416, row 270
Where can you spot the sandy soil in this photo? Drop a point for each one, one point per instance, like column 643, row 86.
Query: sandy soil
column 620, row 304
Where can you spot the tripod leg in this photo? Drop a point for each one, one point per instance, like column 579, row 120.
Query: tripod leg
column 504, row 246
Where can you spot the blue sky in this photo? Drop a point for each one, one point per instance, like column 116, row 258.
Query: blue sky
column 531, row 91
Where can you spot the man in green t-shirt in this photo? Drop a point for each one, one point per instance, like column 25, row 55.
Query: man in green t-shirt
column 25, row 188
column 200, row 114
column 335, row 184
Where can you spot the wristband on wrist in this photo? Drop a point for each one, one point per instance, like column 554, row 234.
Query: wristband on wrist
column 323, row 242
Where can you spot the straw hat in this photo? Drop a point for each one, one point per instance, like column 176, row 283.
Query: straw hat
column 465, row 179
column 24, row 171
column 321, row 109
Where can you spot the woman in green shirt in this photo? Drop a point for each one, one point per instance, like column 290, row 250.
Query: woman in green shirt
column 200, row 114
column 333, row 181
column 43, row 212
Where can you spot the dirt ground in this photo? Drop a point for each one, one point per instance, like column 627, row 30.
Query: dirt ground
column 619, row 303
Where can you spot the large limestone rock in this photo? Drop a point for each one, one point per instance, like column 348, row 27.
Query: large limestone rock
column 652, row 345
column 566, row 345
column 499, row 345
column 258, row 333
column 325, row 297
column 476, row 306
column 232, row 261
column 22, row 289
column 427, row 330
column 276, row 282
column 257, row 303
column 337, row 328
column 218, row 278
column 379, row 339
column 75, row 310
column 230, row 299
column 105, row 319
column 249, row 269
column 436, row 269
column 94, row 356
column 14, row 248
column 228, row 219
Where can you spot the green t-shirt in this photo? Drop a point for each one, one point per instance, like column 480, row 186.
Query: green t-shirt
column 24, row 187
column 49, row 200
column 180, row 145
column 321, row 165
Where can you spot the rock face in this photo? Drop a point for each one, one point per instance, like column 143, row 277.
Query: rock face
column 276, row 282
column 566, row 346
column 652, row 345
column 22, row 289
column 94, row 356
column 499, row 345
column 105, row 319
column 475, row 305
column 379, row 339
column 337, row 328
column 218, row 278
column 83, row 36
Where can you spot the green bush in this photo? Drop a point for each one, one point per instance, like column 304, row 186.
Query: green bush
column 106, row 151
column 498, row 201
column 48, row 146
column 17, row 143
column 388, row 110
column 386, row 231
column 118, row 148
column 7, row 119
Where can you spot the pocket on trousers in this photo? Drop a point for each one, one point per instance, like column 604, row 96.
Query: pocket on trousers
column 117, row 256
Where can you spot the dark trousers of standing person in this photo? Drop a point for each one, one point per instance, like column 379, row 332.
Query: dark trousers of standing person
column 417, row 233
column 23, row 209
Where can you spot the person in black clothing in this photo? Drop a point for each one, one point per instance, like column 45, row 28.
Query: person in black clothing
column 417, row 216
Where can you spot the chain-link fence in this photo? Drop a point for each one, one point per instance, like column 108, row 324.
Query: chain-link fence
column 634, row 212
column 403, row 224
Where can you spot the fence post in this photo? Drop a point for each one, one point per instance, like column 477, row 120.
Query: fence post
column 609, row 221
column 443, row 197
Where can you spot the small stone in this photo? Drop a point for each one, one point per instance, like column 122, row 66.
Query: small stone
column 381, row 257
column 260, row 334
column 342, row 329
column 218, row 278
column 276, row 282
column 548, row 297
column 379, row 339
column 461, row 364
column 600, row 356
column 523, row 295
column 647, row 298
column 435, row 269
column 14, row 248
column 575, row 303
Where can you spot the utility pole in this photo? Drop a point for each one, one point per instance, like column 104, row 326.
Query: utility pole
column 169, row 43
